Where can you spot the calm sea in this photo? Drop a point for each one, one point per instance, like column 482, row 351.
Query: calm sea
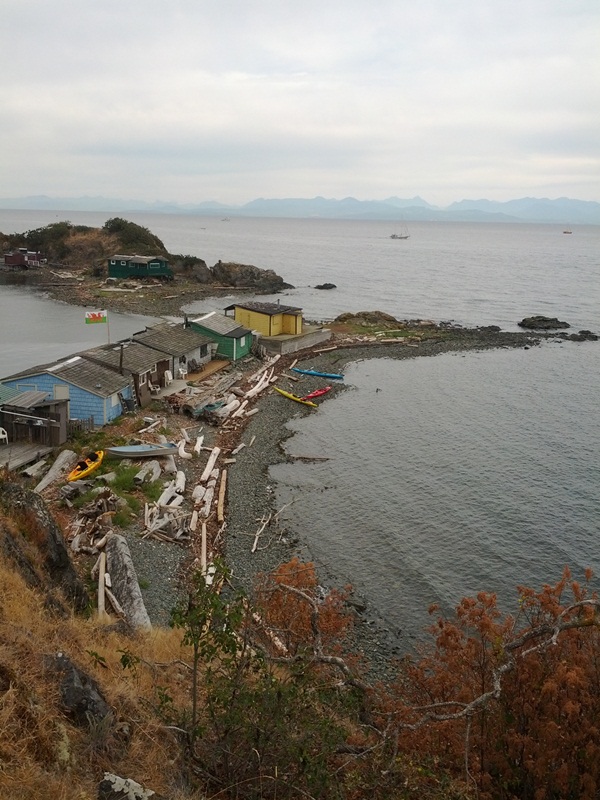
column 463, row 472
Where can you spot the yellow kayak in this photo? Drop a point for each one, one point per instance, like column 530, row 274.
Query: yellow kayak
column 86, row 465
column 291, row 396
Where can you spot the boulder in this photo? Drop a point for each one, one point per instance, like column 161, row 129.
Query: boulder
column 81, row 697
column 541, row 323
column 326, row 286
column 113, row 787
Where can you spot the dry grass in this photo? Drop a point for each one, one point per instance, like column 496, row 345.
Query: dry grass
column 42, row 753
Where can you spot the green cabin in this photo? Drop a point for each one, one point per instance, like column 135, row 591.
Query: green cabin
column 233, row 340
column 120, row 266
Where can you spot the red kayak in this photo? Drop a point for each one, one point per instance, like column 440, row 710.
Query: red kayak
column 317, row 393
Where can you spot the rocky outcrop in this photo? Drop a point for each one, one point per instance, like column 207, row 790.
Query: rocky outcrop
column 326, row 286
column 368, row 318
column 81, row 697
column 246, row 276
column 541, row 323
column 33, row 541
column 583, row 336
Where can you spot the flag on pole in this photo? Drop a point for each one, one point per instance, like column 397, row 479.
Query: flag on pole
column 95, row 316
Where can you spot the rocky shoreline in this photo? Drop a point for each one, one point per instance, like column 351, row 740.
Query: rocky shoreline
column 250, row 496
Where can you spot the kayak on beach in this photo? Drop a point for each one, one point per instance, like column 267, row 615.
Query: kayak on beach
column 316, row 393
column 86, row 465
column 331, row 375
column 291, row 396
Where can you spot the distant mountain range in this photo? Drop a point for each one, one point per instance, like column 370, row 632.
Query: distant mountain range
column 562, row 210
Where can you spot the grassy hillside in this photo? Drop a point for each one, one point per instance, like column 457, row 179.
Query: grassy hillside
column 80, row 246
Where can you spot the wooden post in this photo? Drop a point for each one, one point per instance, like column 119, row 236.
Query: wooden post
column 102, row 586
column 221, row 503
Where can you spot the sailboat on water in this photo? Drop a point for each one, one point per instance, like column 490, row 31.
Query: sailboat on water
column 404, row 235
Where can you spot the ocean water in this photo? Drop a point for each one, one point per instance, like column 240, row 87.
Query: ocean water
column 466, row 472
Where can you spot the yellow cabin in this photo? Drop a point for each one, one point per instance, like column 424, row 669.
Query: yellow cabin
column 269, row 319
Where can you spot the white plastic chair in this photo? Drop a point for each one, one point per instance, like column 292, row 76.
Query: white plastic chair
column 3, row 436
column 168, row 377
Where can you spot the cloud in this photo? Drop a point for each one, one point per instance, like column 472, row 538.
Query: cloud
column 242, row 99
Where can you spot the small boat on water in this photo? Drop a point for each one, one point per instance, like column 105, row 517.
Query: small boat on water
column 86, row 465
column 146, row 450
column 295, row 397
column 317, row 393
column 331, row 375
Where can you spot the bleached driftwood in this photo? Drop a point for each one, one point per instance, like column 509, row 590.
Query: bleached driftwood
column 194, row 520
column 126, row 588
column 237, row 449
column 198, row 445
column 151, row 427
column 265, row 367
column 185, row 435
column 35, row 469
column 210, row 464
column 239, row 411
column 167, row 492
column 208, row 497
column 221, row 501
column 182, row 451
column 63, row 464
column 198, row 492
column 149, row 472
column 203, row 550
column 265, row 522
column 252, row 412
column 180, row 482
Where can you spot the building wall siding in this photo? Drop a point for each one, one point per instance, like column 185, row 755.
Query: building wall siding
column 82, row 404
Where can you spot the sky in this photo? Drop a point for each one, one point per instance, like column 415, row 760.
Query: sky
column 229, row 100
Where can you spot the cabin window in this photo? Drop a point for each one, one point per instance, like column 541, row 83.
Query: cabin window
column 123, row 263
column 113, row 262
column 143, row 378
column 242, row 341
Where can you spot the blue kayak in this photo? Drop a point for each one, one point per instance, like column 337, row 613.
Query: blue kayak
column 331, row 375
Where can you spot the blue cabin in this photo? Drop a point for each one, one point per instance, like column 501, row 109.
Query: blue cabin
column 92, row 391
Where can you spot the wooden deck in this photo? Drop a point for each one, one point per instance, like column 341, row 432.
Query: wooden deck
column 15, row 454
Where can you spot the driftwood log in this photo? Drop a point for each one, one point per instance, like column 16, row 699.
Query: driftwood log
column 63, row 464
column 125, row 586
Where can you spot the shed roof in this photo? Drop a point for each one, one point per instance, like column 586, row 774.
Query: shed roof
column 7, row 393
column 29, row 399
column 94, row 378
column 171, row 338
column 225, row 326
column 136, row 356
column 271, row 309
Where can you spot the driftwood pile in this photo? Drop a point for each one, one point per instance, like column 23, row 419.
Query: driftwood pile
column 92, row 533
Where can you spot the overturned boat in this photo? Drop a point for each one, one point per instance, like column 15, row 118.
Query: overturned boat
column 144, row 450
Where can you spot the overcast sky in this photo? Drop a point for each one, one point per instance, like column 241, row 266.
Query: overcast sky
column 229, row 100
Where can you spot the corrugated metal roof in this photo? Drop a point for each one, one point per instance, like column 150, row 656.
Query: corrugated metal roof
column 172, row 339
column 7, row 393
column 137, row 357
column 219, row 323
column 28, row 399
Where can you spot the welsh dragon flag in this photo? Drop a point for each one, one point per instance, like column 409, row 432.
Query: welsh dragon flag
column 95, row 316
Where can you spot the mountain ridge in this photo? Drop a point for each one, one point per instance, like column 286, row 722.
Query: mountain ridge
column 563, row 210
